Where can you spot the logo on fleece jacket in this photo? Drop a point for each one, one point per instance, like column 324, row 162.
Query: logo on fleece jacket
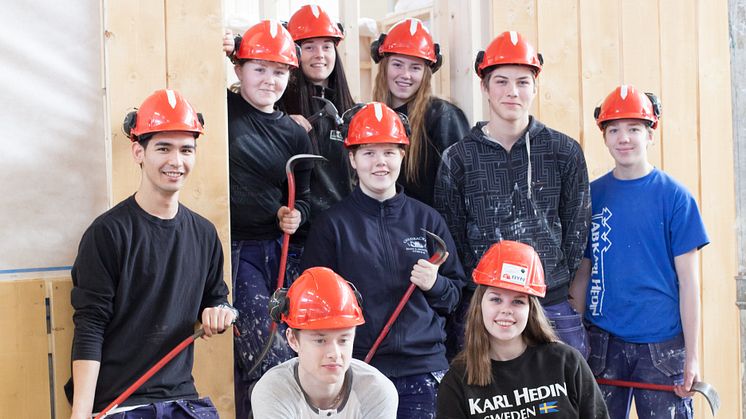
column 417, row 245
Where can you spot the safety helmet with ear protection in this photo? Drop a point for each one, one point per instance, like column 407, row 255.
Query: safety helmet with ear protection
column 508, row 48
column 626, row 102
column 163, row 110
column 408, row 37
column 311, row 21
column 268, row 40
column 374, row 123
column 318, row 299
column 511, row 265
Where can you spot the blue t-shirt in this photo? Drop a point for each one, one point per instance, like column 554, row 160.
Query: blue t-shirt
column 638, row 226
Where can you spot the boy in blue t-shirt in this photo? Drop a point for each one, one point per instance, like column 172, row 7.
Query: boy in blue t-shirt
column 638, row 283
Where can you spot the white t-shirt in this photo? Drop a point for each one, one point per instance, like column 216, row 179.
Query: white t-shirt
column 278, row 394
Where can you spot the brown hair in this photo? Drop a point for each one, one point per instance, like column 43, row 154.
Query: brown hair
column 416, row 108
column 476, row 352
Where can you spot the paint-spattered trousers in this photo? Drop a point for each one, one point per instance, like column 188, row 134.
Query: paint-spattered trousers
column 657, row 363
column 179, row 409
column 255, row 264
column 568, row 324
column 417, row 395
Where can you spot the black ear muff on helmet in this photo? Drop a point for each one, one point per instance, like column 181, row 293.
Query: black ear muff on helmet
column 130, row 120
column 478, row 61
column 279, row 304
column 358, row 296
column 438, row 59
column 541, row 58
column 374, row 47
column 597, row 112
column 405, row 121
column 341, row 27
column 347, row 117
column 657, row 107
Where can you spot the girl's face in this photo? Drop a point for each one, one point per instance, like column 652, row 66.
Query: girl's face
column 377, row 167
column 505, row 314
column 404, row 77
column 317, row 59
column 262, row 82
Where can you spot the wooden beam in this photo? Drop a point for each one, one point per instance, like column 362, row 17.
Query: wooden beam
column 349, row 49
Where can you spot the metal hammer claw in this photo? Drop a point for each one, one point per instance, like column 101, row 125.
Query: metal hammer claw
column 707, row 390
column 328, row 109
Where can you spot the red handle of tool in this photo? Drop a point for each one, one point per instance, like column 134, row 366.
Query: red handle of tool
column 635, row 384
column 399, row 307
column 149, row 373
column 286, row 236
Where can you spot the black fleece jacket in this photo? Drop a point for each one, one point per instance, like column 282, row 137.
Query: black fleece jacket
column 374, row 245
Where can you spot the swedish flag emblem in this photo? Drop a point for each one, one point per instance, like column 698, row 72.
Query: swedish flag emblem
column 548, row 407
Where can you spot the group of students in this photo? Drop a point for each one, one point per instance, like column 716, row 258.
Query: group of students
column 510, row 199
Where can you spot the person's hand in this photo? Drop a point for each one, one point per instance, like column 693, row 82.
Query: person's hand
column 424, row 273
column 288, row 220
column 228, row 42
column 302, row 121
column 217, row 319
column 691, row 376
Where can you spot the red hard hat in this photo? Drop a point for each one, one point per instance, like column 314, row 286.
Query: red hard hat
column 508, row 48
column 268, row 40
column 511, row 265
column 375, row 123
column 408, row 37
column 311, row 21
column 321, row 299
column 626, row 102
column 164, row 110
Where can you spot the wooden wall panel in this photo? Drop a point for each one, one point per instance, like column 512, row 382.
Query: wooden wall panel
column 195, row 66
column 24, row 371
column 61, row 339
column 720, row 344
column 135, row 52
column 600, row 73
column 558, row 41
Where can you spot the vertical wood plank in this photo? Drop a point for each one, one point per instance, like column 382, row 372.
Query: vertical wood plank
column 559, row 80
column 472, row 20
column 679, row 89
column 136, row 66
column 62, row 328
column 600, row 72
column 24, row 371
column 641, row 53
column 720, row 330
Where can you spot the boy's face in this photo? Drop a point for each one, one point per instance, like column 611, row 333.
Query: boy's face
column 317, row 59
column 404, row 77
column 167, row 160
column 262, row 82
column 510, row 90
column 323, row 355
column 628, row 141
column 377, row 167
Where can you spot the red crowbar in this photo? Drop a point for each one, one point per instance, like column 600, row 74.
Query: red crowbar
column 290, row 172
column 708, row 391
column 437, row 258
column 149, row 373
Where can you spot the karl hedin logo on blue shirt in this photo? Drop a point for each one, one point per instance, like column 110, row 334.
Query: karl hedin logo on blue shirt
column 600, row 244
column 416, row 245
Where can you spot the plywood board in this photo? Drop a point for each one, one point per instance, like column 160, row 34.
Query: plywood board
column 557, row 28
column 24, row 371
column 61, row 339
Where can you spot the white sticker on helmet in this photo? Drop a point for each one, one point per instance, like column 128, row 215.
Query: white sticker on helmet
column 514, row 37
column 315, row 11
column 623, row 91
column 514, row 274
column 413, row 26
column 378, row 109
column 171, row 98
column 273, row 26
